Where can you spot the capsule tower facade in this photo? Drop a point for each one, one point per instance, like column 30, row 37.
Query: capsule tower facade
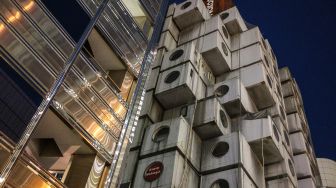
column 218, row 112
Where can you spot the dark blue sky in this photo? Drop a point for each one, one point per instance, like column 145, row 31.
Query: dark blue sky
column 302, row 35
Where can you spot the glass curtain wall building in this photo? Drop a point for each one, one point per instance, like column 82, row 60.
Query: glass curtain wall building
column 81, row 139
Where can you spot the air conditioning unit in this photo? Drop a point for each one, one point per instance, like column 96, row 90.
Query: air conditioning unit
column 291, row 105
column 211, row 119
column 223, row 152
column 189, row 13
column 170, row 135
column 285, row 168
column 140, row 127
column 250, row 55
column 205, row 73
column 130, row 166
column 264, row 138
column 158, row 58
column 151, row 108
column 258, row 83
column 236, row 177
column 216, row 53
column 152, row 78
column 299, row 143
column 187, row 111
column 167, row 41
column 180, row 55
column 233, row 21
column 247, row 38
column 307, row 183
column 170, row 26
column 179, row 85
column 280, row 183
column 303, row 166
column 234, row 97
column 165, row 170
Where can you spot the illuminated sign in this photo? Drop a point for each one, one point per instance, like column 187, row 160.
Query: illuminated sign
column 153, row 171
column 217, row 6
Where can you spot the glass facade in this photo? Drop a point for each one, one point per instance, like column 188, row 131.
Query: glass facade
column 90, row 118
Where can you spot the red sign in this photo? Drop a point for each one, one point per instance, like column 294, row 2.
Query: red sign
column 217, row 6
column 153, row 171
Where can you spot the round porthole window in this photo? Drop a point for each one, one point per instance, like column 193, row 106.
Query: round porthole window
column 276, row 133
column 225, row 50
column 223, row 119
column 222, row 90
column 226, row 33
column 221, row 183
column 220, row 149
column 186, row 5
column 291, row 167
column 171, row 77
column 161, row 134
column 175, row 55
column 224, row 15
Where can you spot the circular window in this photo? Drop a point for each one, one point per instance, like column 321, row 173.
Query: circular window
column 175, row 55
column 186, row 5
column 291, row 167
column 171, row 77
column 226, row 34
column 286, row 138
column 220, row 149
column 222, row 90
column 225, row 50
column 223, row 118
column 224, row 15
column 161, row 134
column 276, row 133
column 220, row 184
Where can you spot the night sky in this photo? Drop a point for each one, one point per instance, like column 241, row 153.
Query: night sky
column 302, row 35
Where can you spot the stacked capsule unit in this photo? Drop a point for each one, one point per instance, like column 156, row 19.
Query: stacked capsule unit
column 304, row 157
column 214, row 112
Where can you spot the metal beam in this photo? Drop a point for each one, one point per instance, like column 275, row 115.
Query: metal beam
column 49, row 97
